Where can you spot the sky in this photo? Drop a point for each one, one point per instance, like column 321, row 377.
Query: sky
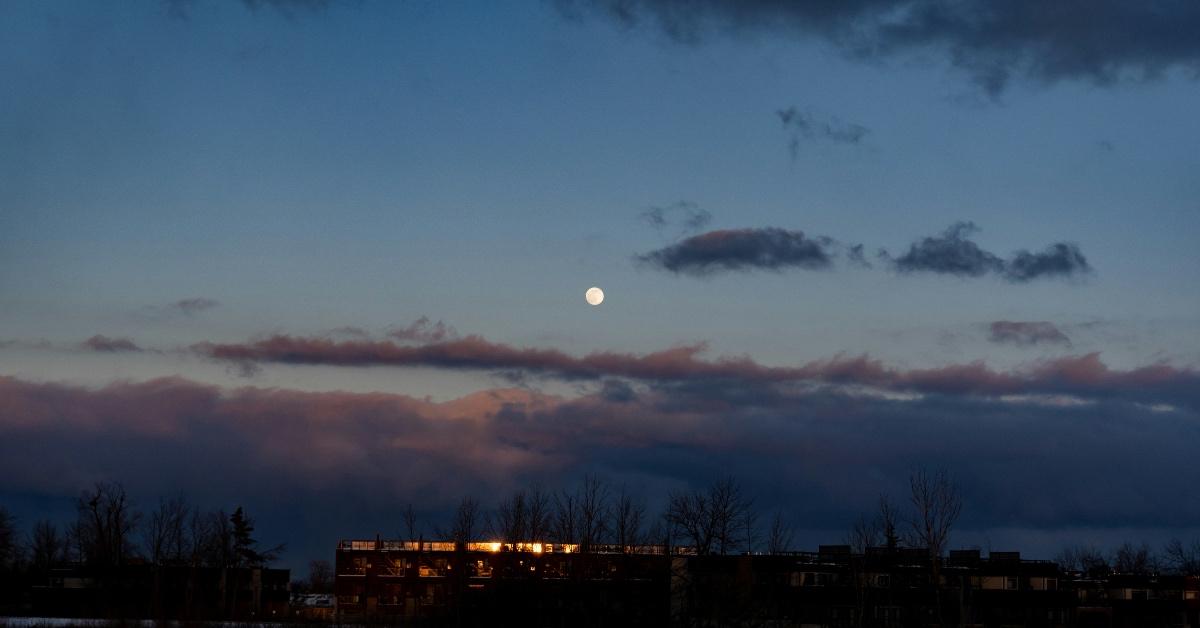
column 327, row 258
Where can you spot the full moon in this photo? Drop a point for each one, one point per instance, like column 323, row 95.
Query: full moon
column 594, row 296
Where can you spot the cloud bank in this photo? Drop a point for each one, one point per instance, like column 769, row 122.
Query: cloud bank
column 1098, row 41
column 1078, row 376
column 832, row 449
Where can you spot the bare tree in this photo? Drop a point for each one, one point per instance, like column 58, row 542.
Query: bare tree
column 164, row 534
column 710, row 520
column 1083, row 558
column 592, row 498
column 510, row 521
column 936, row 506
column 628, row 515
column 412, row 528
column 566, row 517
column 1134, row 559
column 46, row 546
column 779, row 536
column 864, row 534
column 105, row 525
column 1183, row 559
column 320, row 576
column 8, row 537
column 466, row 521
column 539, row 514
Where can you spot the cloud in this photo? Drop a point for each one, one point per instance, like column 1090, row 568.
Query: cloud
column 768, row 248
column 286, row 453
column 1058, row 260
column 193, row 306
column 951, row 253
column 805, row 125
column 104, row 344
column 1085, row 375
column 423, row 330
column 1027, row 333
column 1098, row 41
column 954, row 253
column 186, row 308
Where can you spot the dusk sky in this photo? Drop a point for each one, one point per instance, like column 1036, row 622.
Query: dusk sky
column 323, row 259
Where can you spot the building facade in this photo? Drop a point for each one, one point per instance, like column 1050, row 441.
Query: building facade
column 535, row 584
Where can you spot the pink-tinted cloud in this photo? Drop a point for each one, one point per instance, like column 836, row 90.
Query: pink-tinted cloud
column 291, row 454
column 1085, row 375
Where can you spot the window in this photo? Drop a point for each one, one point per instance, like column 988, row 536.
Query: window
column 1010, row 583
column 883, row 580
column 433, row 567
column 481, row 568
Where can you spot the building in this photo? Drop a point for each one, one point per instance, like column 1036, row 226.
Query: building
column 535, row 584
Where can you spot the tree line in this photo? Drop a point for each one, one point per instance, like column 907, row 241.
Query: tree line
column 108, row 531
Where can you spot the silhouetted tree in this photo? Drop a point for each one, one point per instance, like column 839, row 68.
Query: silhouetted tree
column 105, row 525
column 566, row 517
column 539, row 513
column 47, row 547
column 412, row 528
column 164, row 535
column 711, row 520
column 628, row 514
column 1183, row 559
column 466, row 521
column 246, row 550
column 936, row 504
column 592, row 499
column 1134, row 559
column 779, row 536
column 8, row 539
column 320, row 576
column 1086, row 559
column 510, row 521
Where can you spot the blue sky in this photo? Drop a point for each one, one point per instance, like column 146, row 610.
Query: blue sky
column 366, row 163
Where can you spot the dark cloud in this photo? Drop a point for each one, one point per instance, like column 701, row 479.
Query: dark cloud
column 1027, row 333
column 1099, row 41
column 805, row 125
column 954, row 253
column 1058, row 260
column 951, row 253
column 768, row 248
column 104, row 344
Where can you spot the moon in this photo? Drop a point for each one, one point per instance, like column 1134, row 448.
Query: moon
column 594, row 296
